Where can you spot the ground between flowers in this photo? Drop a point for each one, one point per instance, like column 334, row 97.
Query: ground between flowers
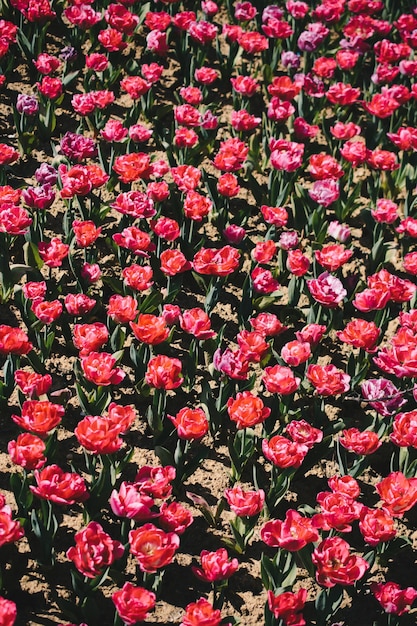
column 208, row 328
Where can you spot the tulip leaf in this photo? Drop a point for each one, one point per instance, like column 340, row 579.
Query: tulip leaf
column 115, row 284
column 151, row 302
column 290, row 577
column 246, row 306
column 31, row 254
column 100, row 579
column 268, row 572
column 266, row 301
column 164, row 455
column 295, row 287
column 327, row 603
column 241, row 451
column 82, row 399
column 68, row 78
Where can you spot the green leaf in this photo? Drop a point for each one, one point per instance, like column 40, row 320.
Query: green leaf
column 192, row 465
column 349, row 206
column 82, row 399
column 31, row 254
column 24, row 44
column 327, row 603
column 211, row 185
column 18, row 270
column 9, row 369
column 201, row 282
column 266, row 301
column 213, row 294
column 295, row 286
column 370, row 557
column 232, row 545
column 246, row 307
column 154, row 420
column 118, row 355
column 78, row 584
column 101, row 403
column 290, row 577
column 68, row 78
column 134, row 354
column 164, row 455
column 241, row 451
column 256, row 189
column 100, row 579
column 267, row 572
column 279, row 488
column 174, row 287
column 117, row 339
column 49, row 341
column 341, row 458
column 115, row 285
column 267, row 73
column 151, row 302
column 35, row 362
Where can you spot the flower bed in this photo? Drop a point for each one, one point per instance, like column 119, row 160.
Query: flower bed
column 208, row 332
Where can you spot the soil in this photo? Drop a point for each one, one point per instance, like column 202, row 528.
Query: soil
column 42, row 593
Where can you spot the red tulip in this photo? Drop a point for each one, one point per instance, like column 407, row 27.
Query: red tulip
column 215, row 566
column 153, row 548
column 94, row 550
column 133, row 603
column 336, row 565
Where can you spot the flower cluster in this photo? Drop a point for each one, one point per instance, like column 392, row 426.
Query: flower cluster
column 208, row 267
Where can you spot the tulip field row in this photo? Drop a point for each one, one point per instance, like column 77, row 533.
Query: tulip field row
column 208, row 312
